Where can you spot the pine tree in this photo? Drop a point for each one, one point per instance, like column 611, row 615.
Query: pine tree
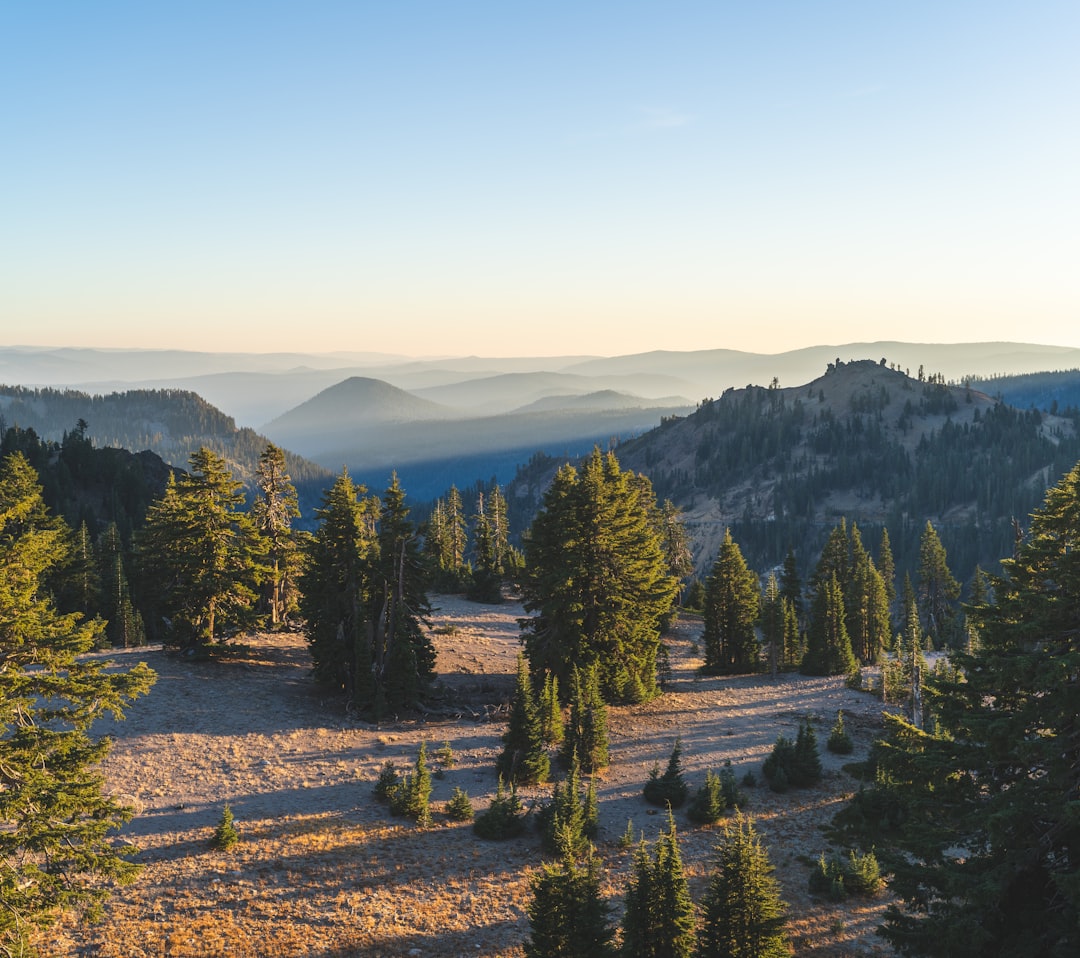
column 225, row 835
column 595, row 580
column 585, row 732
column 565, row 821
column 551, row 718
column 54, row 818
column 659, row 919
column 986, row 831
column 743, row 914
column 731, row 609
column 887, row 566
column 124, row 623
column 670, row 788
column 487, row 575
column 568, row 917
column 708, row 804
column 334, row 588
column 866, row 605
column 773, row 623
column 402, row 658
column 198, row 552
column 791, row 584
column 524, row 760
column 938, row 590
column 272, row 513
column 828, row 648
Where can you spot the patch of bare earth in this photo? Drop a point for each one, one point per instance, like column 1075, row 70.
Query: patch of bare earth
column 323, row 870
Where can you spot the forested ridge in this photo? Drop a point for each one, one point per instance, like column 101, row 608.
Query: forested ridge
column 174, row 423
column 865, row 441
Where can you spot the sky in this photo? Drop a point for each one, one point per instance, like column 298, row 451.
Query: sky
column 427, row 178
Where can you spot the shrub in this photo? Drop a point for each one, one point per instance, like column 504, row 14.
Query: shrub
column 708, row 805
column 387, row 782
column 504, row 818
column 841, row 876
column 225, row 835
column 794, row 765
column 839, row 740
column 459, row 808
column 669, row 788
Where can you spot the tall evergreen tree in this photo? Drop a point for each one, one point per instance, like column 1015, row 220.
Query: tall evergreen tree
column 124, row 623
column 524, row 760
column 887, row 566
column 402, row 656
column 773, row 623
column 272, row 513
column 568, row 917
column 596, row 581
column 585, row 734
column 938, row 590
column 732, row 597
column 985, row 832
column 54, row 817
column 866, row 605
column 659, row 919
column 791, row 584
column 198, row 553
column 828, row 647
column 334, row 587
column 743, row 913
column 487, row 569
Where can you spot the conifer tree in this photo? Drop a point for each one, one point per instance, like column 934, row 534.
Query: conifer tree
column 828, row 648
column 566, row 821
column 887, row 566
column 659, row 919
column 551, row 718
column 272, row 513
column 524, row 760
column 983, row 847
column 585, row 733
column 124, row 625
column 938, row 590
column 595, row 580
column 335, row 586
column 198, row 552
column 402, row 658
column 55, row 820
column 773, row 623
column 731, row 609
column 866, row 605
column 568, row 917
column 487, row 571
column 791, row 584
column 670, row 788
column 743, row 916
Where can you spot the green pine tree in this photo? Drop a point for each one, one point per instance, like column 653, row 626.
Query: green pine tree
column 828, row 647
column 568, row 917
column 983, row 840
column 659, row 918
column 732, row 598
column 596, row 582
column 670, row 788
column 272, row 513
column 743, row 916
column 585, row 733
column 524, row 759
column 55, row 820
column 938, row 589
column 551, row 718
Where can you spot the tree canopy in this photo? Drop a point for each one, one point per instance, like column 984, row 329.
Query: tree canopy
column 596, row 580
column 54, row 818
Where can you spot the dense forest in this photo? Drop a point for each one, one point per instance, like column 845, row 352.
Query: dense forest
column 173, row 423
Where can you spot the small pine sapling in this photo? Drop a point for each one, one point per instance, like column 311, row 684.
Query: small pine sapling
column 669, row 788
column 387, row 783
column 459, row 808
column 628, row 839
column 839, row 740
column 225, row 835
column 708, row 804
column 504, row 818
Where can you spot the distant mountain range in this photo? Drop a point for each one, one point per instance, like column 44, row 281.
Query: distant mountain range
column 458, row 419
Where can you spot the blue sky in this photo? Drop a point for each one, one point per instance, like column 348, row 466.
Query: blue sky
column 507, row 178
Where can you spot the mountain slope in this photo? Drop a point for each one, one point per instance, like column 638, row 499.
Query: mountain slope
column 864, row 442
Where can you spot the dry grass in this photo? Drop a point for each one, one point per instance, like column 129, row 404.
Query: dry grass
column 322, row 870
